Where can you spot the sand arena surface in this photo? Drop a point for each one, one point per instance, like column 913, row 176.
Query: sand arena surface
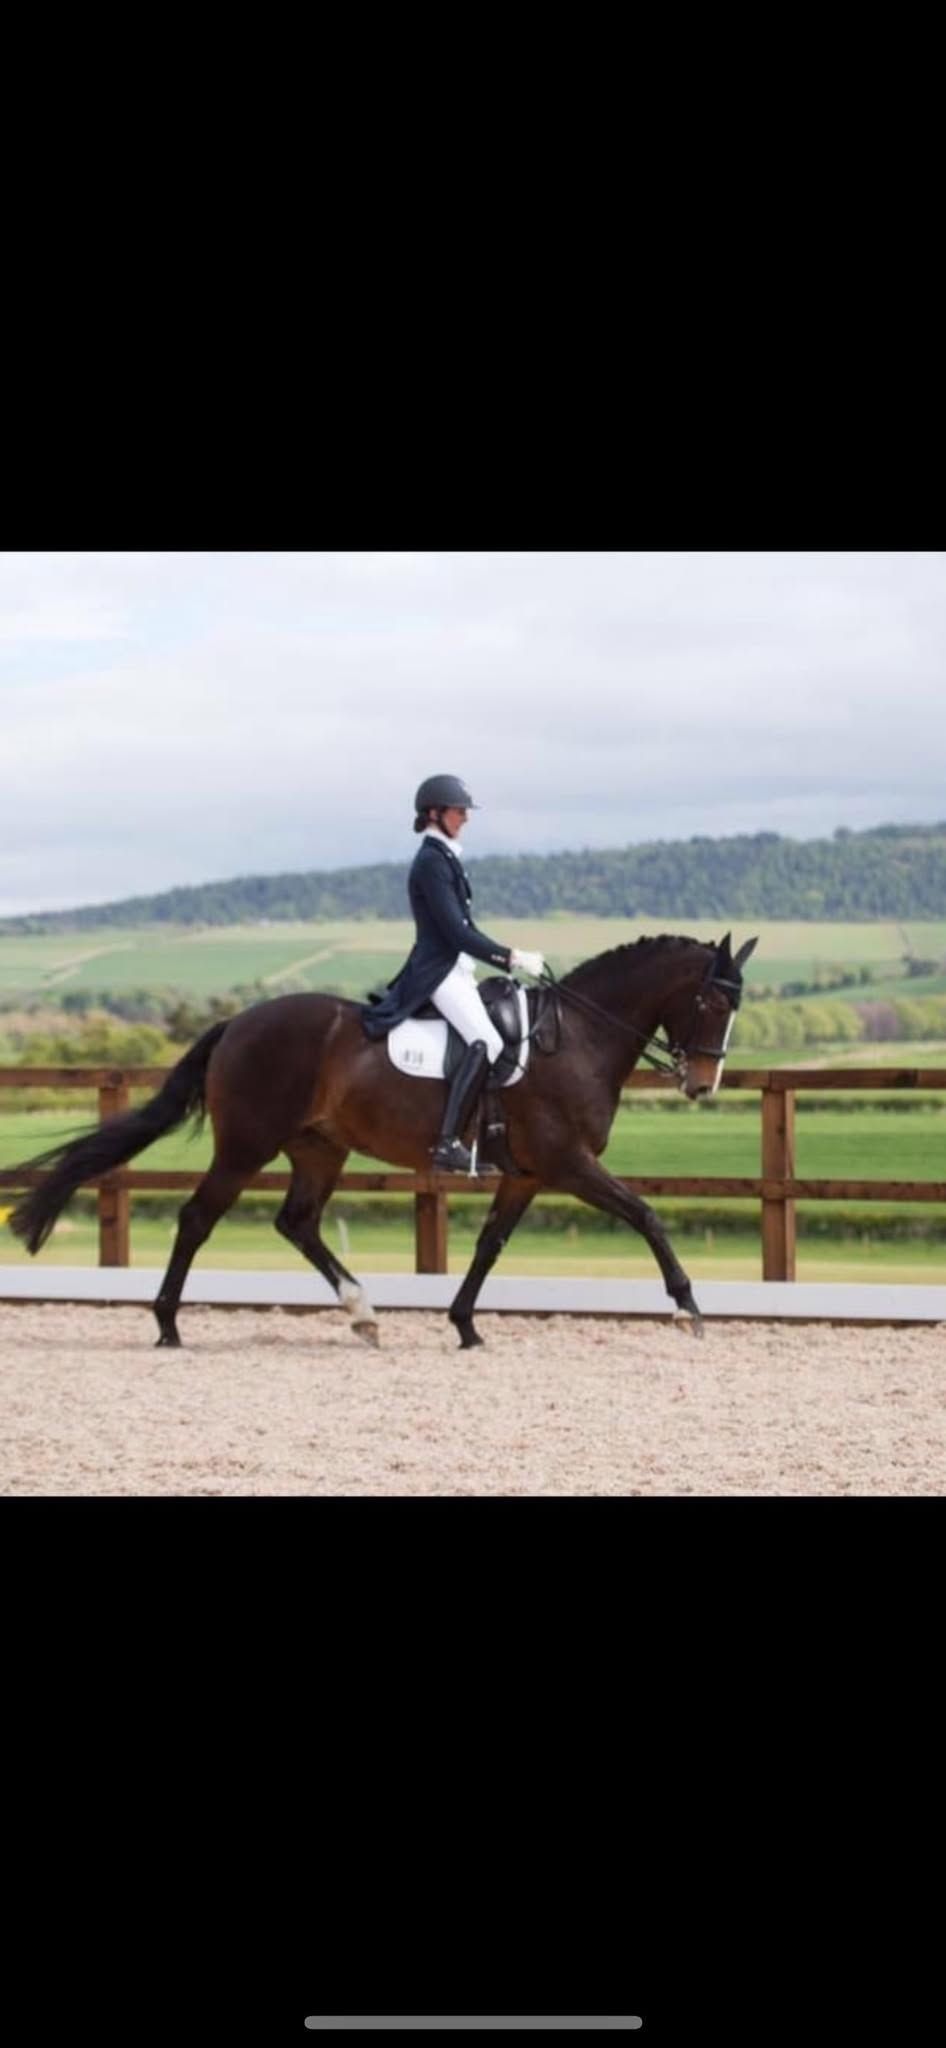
column 279, row 1403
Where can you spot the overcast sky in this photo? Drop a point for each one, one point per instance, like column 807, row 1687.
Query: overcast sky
column 178, row 718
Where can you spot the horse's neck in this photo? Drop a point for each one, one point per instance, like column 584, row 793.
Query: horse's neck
column 635, row 994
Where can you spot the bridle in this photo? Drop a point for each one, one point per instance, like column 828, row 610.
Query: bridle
column 734, row 991
column 667, row 1059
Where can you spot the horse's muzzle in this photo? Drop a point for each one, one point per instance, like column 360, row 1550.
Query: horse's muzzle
column 696, row 1079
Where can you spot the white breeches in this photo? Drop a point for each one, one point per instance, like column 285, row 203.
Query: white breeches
column 459, row 1000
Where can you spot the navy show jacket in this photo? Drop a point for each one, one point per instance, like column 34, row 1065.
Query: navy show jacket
column 441, row 898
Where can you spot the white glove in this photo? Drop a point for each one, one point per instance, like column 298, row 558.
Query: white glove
column 526, row 963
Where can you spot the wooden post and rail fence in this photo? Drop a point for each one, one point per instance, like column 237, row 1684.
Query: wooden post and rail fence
column 776, row 1186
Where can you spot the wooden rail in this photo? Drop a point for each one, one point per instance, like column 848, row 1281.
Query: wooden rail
column 776, row 1186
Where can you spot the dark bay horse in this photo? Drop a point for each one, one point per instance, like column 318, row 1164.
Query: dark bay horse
column 298, row 1075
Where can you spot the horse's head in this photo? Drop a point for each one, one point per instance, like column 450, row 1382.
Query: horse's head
column 699, row 1018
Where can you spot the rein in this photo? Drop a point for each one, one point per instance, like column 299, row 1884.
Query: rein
column 657, row 1060
column 663, row 1066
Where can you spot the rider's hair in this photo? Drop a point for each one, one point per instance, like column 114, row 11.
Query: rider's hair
column 422, row 821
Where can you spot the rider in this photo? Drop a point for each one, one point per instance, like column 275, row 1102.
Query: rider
column 439, row 968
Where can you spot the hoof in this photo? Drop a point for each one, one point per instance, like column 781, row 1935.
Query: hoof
column 686, row 1306
column 468, row 1336
column 168, row 1340
column 689, row 1321
column 353, row 1299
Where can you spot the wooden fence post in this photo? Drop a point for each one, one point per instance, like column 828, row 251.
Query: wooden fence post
column 114, row 1201
column 778, row 1164
column 430, row 1233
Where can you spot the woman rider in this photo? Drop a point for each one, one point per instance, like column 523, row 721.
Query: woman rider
column 439, row 968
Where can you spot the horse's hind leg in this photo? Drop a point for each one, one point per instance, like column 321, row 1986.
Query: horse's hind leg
column 215, row 1195
column 510, row 1202
column 316, row 1165
column 593, row 1184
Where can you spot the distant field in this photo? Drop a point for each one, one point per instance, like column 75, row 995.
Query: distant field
column 354, row 955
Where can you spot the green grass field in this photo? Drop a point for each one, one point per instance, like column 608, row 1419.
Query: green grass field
column 719, row 1238
column 251, row 1245
column 905, row 1141
column 354, row 955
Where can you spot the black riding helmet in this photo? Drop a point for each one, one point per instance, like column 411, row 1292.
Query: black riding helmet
column 442, row 793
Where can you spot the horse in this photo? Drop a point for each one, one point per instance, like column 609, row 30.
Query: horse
column 297, row 1074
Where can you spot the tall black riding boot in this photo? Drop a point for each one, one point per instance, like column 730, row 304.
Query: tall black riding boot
column 449, row 1154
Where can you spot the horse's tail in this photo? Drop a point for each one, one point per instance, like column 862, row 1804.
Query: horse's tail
column 109, row 1144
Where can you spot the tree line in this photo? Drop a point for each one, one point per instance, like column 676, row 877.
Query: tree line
column 890, row 871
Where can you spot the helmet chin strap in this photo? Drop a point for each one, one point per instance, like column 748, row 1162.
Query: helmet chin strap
column 438, row 818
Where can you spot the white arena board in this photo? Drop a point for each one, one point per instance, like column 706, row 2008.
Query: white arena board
column 800, row 1300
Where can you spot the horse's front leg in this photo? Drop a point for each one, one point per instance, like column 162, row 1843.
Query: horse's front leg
column 593, row 1184
column 510, row 1203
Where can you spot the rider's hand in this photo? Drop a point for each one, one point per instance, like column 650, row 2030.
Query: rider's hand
column 526, row 963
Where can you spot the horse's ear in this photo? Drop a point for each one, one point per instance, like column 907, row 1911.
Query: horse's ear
column 744, row 951
column 725, row 956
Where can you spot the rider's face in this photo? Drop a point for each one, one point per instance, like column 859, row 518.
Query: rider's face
column 453, row 818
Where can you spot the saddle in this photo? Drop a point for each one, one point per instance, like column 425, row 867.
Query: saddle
column 426, row 1045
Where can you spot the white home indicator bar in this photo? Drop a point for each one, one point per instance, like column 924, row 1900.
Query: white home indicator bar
column 597, row 2023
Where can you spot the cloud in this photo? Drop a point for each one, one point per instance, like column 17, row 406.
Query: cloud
column 172, row 718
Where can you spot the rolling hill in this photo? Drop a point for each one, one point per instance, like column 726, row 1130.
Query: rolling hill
column 891, row 871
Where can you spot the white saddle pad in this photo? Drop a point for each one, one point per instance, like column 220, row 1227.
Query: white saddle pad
column 419, row 1045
